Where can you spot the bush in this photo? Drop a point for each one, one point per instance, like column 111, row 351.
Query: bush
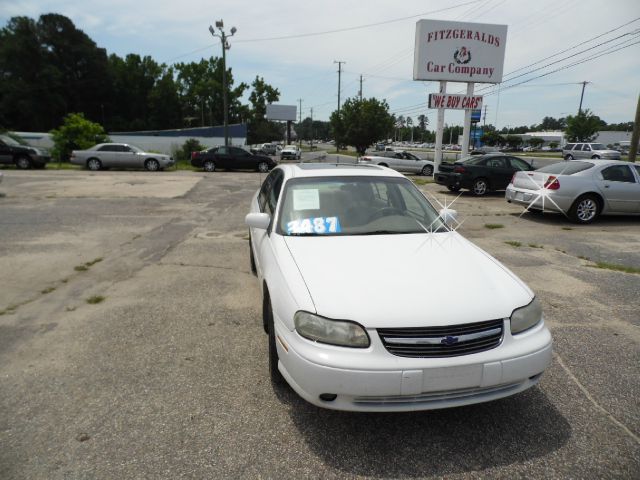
column 184, row 153
column 76, row 133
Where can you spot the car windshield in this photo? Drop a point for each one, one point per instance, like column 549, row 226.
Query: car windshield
column 598, row 146
column 566, row 168
column 9, row 141
column 411, row 156
column 135, row 148
column 359, row 205
column 473, row 160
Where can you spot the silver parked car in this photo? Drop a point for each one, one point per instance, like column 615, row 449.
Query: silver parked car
column 401, row 161
column 576, row 151
column 582, row 189
column 120, row 155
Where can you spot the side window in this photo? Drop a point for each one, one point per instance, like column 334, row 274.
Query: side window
column 398, row 155
column 618, row 173
column 125, row 148
column 569, row 146
column 578, row 147
column 223, row 151
column 637, row 167
column 274, row 194
column 265, row 191
column 106, row 148
column 587, row 147
column 519, row 164
column 238, row 152
column 496, row 162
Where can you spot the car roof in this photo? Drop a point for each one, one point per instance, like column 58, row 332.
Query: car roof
column 298, row 170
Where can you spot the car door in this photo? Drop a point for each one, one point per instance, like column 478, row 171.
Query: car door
column 241, row 159
column 620, row 188
column 128, row 158
column 6, row 156
column 106, row 155
column 499, row 171
column 411, row 162
column 224, row 158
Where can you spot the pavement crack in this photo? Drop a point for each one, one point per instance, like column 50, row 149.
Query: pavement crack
column 217, row 267
column 587, row 394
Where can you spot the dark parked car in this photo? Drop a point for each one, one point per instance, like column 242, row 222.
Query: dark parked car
column 22, row 156
column 231, row 158
column 480, row 174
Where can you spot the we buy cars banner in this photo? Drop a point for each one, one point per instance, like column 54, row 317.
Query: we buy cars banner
column 457, row 102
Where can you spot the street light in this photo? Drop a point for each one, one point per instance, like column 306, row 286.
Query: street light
column 225, row 46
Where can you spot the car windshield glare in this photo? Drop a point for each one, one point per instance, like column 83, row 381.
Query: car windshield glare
column 358, row 205
column 566, row 168
column 9, row 141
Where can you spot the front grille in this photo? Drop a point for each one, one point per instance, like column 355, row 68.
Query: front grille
column 436, row 342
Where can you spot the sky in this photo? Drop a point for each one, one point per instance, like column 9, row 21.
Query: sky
column 375, row 39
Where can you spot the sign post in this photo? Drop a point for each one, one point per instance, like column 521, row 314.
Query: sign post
column 458, row 52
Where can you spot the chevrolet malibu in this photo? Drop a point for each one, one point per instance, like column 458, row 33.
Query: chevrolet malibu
column 360, row 304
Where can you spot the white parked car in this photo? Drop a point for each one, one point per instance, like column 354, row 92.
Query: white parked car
column 401, row 161
column 356, row 270
column 291, row 152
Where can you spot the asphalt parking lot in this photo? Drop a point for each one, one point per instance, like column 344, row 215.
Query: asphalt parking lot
column 131, row 345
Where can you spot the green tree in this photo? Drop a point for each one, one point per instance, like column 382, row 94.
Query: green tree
column 76, row 133
column 47, row 69
column 583, row 126
column 492, row 138
column 201, row 95
column 514, row 141
column 535, row 142
column 361, row 123
column 260, row 129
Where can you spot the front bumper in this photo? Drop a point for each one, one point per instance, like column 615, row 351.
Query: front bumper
column 374, row 380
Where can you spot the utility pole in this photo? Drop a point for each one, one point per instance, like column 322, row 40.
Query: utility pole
column 360, row 92
column 311, row 144
column 300, row 124
column 225, row 46
column 584, row 84
column 484, row 119
column 635, row 136
column 339, row 62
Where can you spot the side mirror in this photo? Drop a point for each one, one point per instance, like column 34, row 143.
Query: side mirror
column 258, row 220
column 449, row 217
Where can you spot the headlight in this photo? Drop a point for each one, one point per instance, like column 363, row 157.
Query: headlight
column 333, row 332
column 526, row 317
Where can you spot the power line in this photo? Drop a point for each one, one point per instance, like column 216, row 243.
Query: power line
column 584, row 60
column 358, row 27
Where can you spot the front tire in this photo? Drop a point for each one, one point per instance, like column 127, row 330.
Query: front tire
column 152, row 165
column 23, row 163
column 596, row 157
column 94, row 164
column 585, row 209
column 480, row 187
column 209, row 166
column 274, row 373
column 263, row 167
column 568, row 157
column 427, row 170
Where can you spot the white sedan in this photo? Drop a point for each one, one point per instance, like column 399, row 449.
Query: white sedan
column 372, row 303
column 401, row 161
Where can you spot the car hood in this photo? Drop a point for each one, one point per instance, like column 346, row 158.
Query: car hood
column 406, row 280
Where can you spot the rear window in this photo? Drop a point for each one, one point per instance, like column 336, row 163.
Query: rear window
column 566, row 168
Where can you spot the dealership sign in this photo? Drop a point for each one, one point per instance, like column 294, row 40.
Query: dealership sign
column 459, row 51
column 458, row 102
